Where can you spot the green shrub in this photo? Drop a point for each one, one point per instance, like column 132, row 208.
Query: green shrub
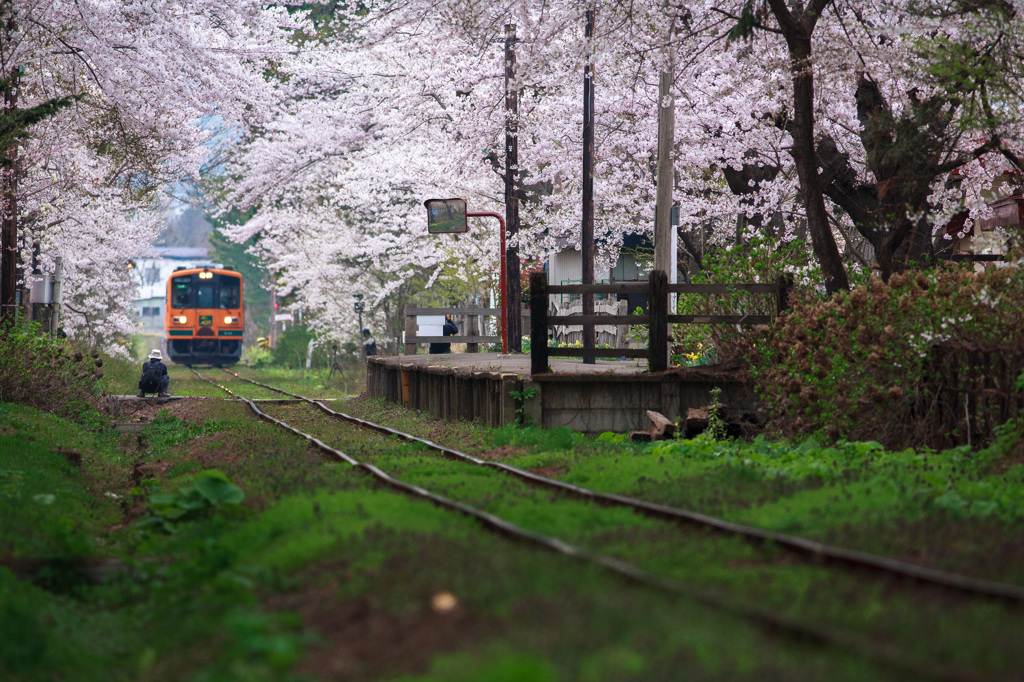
column 759, row 261
column 292, row 346
column 866, row 365
column 48, row 374
column 256, row 356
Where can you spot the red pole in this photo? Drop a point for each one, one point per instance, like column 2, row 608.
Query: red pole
column 503, row 275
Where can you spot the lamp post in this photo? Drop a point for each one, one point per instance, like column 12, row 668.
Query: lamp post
column 449, row 216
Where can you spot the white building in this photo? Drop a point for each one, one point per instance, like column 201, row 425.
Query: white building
column 152, row 271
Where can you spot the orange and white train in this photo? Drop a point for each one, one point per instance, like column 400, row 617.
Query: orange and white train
column 205, row 318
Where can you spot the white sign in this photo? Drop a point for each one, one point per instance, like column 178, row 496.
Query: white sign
column 283, row 317
column 430, row 325
column 42, row 290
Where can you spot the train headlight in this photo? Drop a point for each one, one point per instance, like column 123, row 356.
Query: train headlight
column 230, row 320
column 205, row 275
column 181, row 320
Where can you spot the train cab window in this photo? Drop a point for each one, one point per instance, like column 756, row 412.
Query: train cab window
column 181, row 292
column 205, row 295
column 229, row 292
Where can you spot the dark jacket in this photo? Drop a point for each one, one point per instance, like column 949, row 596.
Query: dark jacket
column 161, row 373
column 449, row 329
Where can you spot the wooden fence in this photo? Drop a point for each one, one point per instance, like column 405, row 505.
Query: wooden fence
column 657, row 319
column 969, row 390
column 472, row 321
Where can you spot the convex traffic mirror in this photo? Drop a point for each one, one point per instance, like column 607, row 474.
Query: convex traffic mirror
column 446, row 216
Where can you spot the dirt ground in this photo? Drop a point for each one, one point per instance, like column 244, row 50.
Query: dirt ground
column 362, row 639
column 143, row 410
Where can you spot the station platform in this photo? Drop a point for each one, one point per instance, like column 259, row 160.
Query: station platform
column 499, row 389
column 516, row 363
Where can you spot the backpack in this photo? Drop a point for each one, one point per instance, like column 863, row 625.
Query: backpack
column 150, row 373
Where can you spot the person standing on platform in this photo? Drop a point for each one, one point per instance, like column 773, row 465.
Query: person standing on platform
column 449, row 329
column 369, row 344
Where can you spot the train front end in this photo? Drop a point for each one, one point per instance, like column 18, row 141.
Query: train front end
column 205, row 317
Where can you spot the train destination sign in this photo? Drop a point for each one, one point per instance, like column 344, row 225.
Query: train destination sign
column 446, row 216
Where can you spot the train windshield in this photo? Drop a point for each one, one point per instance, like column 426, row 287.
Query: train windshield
column 181, row 292
column 229, row 292
column 205, row 297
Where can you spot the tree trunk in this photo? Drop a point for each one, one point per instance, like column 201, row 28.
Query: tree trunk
column 805, row 159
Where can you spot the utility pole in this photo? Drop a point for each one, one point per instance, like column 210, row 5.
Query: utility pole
column 513, row 285
column 9, row 241
column 58, row 296
column 663, row 206
column 664, row 236
column 35, row 309
column 587, row 236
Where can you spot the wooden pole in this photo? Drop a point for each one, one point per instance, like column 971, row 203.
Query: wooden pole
column 538, row 323
column 514, row 288
column 410, row 330
column 273, row 318
column 657, row 336
column 663, row 205
column 58, row 296
column 785, row 284
column 472, row 326
column 587, row 236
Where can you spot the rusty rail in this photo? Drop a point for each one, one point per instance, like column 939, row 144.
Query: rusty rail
column 810, row 549
column 883, row 654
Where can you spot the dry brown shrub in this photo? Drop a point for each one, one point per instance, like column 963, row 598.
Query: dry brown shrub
column 885, row 363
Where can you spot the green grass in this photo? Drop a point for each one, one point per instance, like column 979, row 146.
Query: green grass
column 329, row 571
column 843, row 493
column 192, row 605
column 46, row 508
column 312, row 383
column 771, row 579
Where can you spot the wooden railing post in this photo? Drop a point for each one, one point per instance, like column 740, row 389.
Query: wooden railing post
column 410, row 329
column 538, row 323
column 472, row 327
column 657, row 336
column 785, row 284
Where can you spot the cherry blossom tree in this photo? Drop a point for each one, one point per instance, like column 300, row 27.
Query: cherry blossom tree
column 151, row 82
column 887, row 125
column 406, row 102
column 852, row 141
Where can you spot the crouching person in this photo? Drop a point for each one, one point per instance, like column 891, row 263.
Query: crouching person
column 154, row 376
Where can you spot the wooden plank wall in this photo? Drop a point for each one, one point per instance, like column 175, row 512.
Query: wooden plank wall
column 589, row 403
column 444, row 392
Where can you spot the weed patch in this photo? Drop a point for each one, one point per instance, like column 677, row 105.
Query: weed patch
column 209, row 493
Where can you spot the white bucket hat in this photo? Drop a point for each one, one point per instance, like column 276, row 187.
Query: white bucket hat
column 155, row 354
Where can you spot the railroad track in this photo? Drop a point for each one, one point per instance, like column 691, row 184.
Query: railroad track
column 809, row 549
column 819, row 633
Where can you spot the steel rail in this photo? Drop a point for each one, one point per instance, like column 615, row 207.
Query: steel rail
column 882, row 654
column 816, row 551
